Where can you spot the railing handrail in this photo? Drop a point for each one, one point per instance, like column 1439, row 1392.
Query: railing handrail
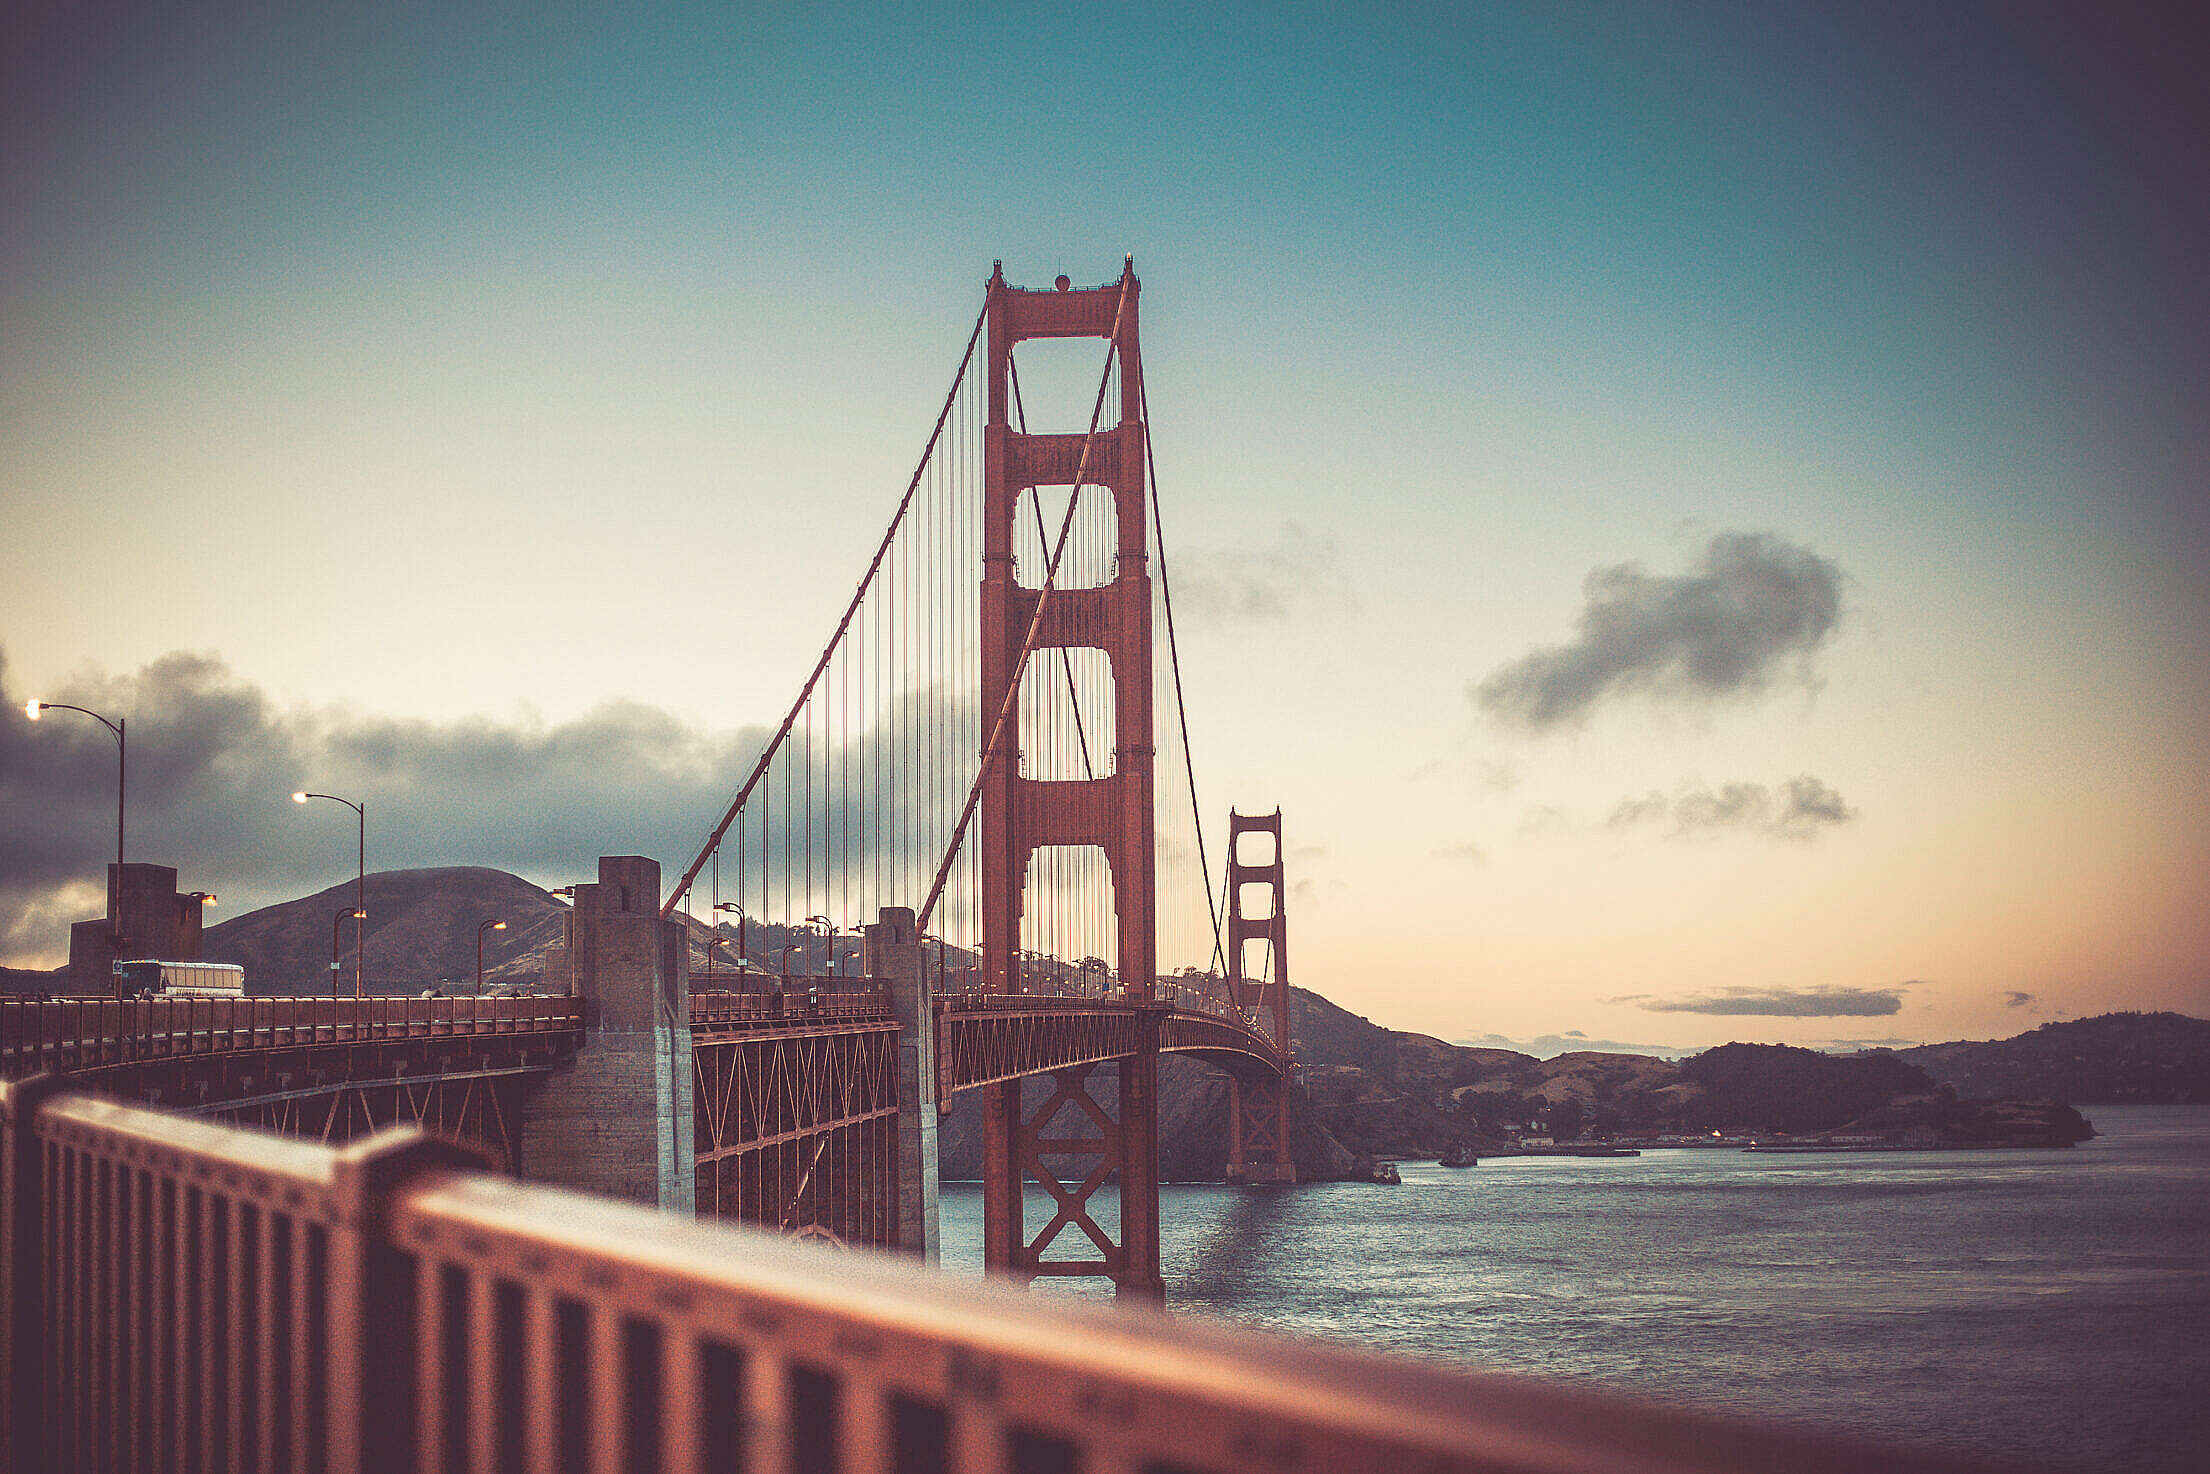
column 92, row 1033
column 720, row 1343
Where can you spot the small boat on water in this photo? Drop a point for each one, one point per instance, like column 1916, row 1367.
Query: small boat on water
column 1386, row 1173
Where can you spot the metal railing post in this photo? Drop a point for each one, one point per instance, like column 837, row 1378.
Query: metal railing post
column 24, row 1405
column 372, row 1358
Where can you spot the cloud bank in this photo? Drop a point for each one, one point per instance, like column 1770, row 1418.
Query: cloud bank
column 1779, row 1002
column 1799, row 809
column 213, row 761
column 1751, row 611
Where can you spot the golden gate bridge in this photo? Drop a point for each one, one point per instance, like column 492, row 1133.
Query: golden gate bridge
column 294, row 1234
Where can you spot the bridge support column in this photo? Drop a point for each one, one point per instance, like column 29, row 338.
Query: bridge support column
column 1003, row 1236
column 895, row 963
column 618, row 1120
column 1258, row 1131
column 1139, row 1165
column 1071, row 1146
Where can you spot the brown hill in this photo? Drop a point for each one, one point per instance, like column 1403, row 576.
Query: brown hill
column 2141, row 1058
column 421, row 933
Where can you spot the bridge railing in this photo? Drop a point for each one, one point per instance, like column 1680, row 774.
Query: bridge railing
column 799, row 1000
column 1173, row 996
column 179, row 1294
column 984, row 1002
column 89, row 1033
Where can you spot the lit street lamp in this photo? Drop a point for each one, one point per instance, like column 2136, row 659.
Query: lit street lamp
column 828, row 933
column 360, row 887
column 487, row 926
column 350, row 913
column 32, row 709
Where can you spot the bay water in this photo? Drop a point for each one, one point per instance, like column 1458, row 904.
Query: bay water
column 2051, row 1305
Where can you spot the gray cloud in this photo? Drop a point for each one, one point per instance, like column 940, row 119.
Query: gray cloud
column 213, row 761
column 1258, row 584
column 1798, row 809
column 1779, row 1002
column 1463, row 854
column 1572, row 1041
column 1752, row 610
column 2012, row 998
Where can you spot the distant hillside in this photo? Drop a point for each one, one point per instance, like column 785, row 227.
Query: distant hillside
column 421, row 933
column 32, row 980
column 2113, row 1058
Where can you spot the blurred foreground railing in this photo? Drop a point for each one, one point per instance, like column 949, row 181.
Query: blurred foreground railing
column 175, row 1294
column 90, row 1033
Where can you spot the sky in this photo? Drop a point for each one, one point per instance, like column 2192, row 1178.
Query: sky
column 1695, row 513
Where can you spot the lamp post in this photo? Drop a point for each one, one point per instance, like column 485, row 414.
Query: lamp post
column 487, row 926
column 741, row 920
column 119, row 727
column 350, row 913
column 360, row 887
column 828, row 943
column 939, row 941
column 567, row 933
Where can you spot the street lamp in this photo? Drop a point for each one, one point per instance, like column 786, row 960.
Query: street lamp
column 742, row 920
column 32, row 709
column 828, row 934
column 205, row 898
column 350, row 913
column 487, row 926
column 939, row 941
column 360, row 887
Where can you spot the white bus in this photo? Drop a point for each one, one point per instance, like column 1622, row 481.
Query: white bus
column 183, row 979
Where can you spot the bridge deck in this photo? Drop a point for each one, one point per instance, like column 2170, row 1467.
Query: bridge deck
column 93, row 1033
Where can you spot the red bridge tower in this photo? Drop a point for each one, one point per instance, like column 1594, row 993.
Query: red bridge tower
column 1258, row 1132
column 1111, row 811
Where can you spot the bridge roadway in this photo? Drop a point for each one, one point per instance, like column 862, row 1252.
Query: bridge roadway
column 794, row 1095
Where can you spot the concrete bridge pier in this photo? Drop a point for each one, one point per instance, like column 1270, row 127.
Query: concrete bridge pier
column 618, row 1119
column 895, row 962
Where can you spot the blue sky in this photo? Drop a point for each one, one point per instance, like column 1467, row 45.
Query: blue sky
column 499, row 334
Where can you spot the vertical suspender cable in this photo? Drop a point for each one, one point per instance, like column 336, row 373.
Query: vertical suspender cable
column 683, row 885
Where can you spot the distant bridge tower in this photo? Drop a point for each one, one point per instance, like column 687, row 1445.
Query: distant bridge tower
column 1111, row 810
column 1258, row 1134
